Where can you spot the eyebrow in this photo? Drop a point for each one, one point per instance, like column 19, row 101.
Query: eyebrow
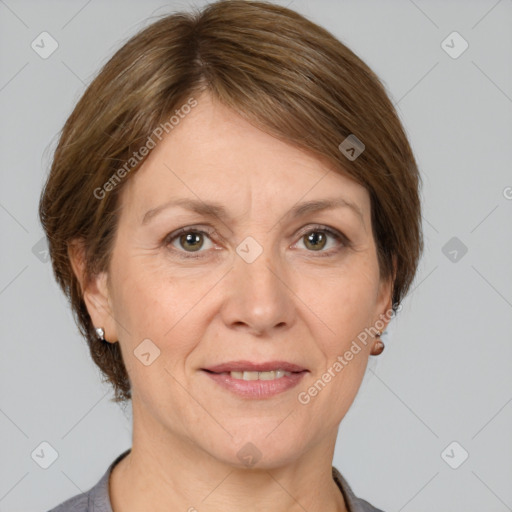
column 212, row 209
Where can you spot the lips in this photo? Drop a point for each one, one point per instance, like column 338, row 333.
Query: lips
column 248, row 366
column 256, row 381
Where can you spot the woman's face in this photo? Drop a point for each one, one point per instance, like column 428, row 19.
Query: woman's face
column 255, row 283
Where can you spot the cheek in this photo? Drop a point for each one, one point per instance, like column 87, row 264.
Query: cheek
column 142, row 289
column 149, row 309
column 140, row 309
column 348, row 303
column 151, row 303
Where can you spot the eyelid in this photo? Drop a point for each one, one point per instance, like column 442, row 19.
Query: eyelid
column 322, row 227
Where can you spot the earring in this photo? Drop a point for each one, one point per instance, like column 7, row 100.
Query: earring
column 379, row 345
column 100, row 333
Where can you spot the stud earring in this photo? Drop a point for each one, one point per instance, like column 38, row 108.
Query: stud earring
column 100, row 333
column 378, row 347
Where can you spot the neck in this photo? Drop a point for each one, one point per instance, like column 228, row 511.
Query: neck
column 177, row 475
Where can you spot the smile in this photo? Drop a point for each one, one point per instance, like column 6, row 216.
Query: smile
column 271, row 375
column 256, row 385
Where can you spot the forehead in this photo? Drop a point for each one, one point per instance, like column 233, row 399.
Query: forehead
column 214, row 154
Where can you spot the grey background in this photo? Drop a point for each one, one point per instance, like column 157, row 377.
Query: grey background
column 445, row 374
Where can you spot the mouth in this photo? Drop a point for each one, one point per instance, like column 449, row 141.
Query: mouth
column 250, row 375
column 247, row 370
column 256, row 380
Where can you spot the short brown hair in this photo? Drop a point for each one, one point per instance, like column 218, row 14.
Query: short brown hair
column 282, row 73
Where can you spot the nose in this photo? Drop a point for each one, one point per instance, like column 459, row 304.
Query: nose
column 258, row 298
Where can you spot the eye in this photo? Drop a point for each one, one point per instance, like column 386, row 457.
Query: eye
column 188, row 240
column 316, row 239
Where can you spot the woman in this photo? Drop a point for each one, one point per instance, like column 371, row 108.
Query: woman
column 233, row 211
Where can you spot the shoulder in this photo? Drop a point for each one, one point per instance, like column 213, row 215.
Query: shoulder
column 354, row 504
column 96, row 499
column 78, row 503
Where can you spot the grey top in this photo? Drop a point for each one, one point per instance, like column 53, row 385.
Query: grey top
column 97, row 499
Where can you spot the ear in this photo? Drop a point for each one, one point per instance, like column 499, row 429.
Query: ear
column 95, row 291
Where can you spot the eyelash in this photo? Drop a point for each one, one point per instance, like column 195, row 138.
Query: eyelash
column 339, row 237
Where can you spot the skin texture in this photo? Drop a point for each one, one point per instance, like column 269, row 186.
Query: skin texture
column 289, row 304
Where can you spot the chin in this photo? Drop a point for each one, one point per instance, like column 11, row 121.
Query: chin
column 258, row 446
